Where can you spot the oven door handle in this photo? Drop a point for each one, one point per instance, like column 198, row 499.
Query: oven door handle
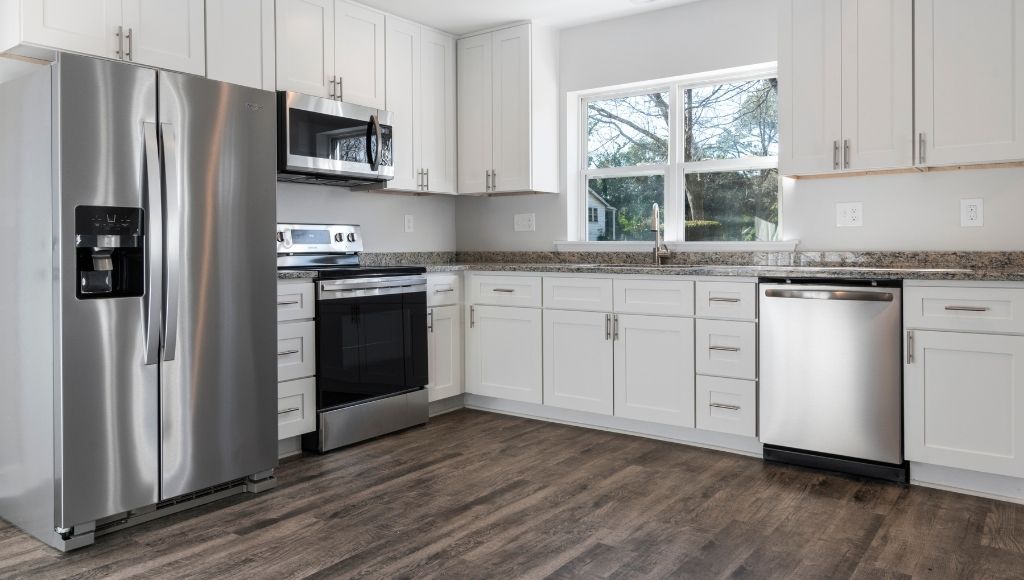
column 375, row 120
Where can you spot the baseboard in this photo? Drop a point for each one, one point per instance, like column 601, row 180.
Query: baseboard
column 998, row 487
column 442, row 406
column 289, row 446
column 749, row 446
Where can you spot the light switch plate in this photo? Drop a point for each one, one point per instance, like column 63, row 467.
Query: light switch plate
column 972, row 213
column 525, row 222
column 850, row 214
column 410, row 224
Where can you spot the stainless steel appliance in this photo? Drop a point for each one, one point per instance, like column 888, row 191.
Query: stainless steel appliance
column 138, row 309
column 331, row 142
column 831, row 376
column 371, row 336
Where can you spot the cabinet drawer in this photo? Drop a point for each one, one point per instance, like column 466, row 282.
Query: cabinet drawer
column 296, row 407
column 592, row 294
column 727, row 405
column 444, row 289
column 296, row 350
column 968, row 309
column 726, row 300
column 506, row 290
column 661, row 297
column 295, row 301
column 726, row 349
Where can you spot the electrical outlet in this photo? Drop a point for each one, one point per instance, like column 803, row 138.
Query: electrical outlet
column 850, row 215
column 410, row 225
column 972, row 213
column 525, row 222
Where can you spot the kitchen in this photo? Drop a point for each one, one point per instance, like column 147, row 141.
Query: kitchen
column 653, row 289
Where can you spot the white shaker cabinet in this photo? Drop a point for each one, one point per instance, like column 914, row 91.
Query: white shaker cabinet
column 240, row 42
column 444, row 345
column 504, row 353
column 969, row 81
column 403, row 100
column 168, row 34
column 359, row 49
column 578, row 353
column 654, row 369
column 305, row 46
column 508, row 108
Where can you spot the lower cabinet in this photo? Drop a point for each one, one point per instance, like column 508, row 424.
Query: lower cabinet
column 296, row 358
column 296, row 407
column 727, row 405
column 654, row 369
column 444, row 345
column 504, row 353
column 578, row 356
column 964, row 401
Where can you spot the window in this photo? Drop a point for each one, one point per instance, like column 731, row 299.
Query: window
column 704, row 149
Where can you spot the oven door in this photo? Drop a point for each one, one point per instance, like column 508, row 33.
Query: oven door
column 371, row 342
column 329, row 138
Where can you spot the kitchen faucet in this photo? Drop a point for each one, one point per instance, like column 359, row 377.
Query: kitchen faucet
column 660, row 249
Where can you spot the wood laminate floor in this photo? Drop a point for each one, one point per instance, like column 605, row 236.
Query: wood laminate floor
column 481, row 495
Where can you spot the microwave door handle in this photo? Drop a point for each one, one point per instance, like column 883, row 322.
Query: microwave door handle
column 375, row 119
column 154, row 243
column 173, row 277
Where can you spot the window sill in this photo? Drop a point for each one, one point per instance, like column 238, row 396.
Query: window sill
column 784, row 246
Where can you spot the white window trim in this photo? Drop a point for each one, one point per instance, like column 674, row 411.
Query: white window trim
column 673, row 170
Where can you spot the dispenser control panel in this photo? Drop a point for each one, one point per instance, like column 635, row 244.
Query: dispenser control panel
column 110, row 252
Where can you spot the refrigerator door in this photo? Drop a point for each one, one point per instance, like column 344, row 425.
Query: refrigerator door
column 218, row 393
column 107, row 457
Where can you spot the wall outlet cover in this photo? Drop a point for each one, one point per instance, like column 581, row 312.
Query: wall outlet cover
column 972, row 213
column 525, row 222
column 850, row 214
column 410, row 224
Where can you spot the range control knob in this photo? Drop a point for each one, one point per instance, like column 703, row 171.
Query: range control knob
column 351, row 237
column 280, row 237
column 339, row 238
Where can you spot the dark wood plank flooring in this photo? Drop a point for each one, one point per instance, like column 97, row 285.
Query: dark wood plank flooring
column 480, row 495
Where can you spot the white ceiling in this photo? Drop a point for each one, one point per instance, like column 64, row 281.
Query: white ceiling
column 465, row 16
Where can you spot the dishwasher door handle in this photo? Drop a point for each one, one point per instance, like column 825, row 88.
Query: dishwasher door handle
column 856, row 295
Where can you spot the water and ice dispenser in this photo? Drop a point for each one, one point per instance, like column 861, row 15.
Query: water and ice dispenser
column 110, row 248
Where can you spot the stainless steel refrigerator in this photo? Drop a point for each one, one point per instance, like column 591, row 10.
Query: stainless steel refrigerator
column 137, row 313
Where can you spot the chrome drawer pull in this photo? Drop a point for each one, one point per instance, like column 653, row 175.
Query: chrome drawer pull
column 968, row 308
column 504, row 290
column 289, row 303
column 726, row 407
column 286, row 411
column 713, row 299
column 442, row 290
column 287, row 352
column 724, row 348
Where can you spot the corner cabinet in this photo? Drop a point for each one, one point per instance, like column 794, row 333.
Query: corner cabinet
column 240, row 42
column 508, row 111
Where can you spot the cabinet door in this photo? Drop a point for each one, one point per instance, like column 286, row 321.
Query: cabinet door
column 437, row 110
column 86, row 26
column 964, row 401
column 654, row 376
column 240, row 42
column 168, row 34
column 445, row 346
column 503, row 353
column 510, row 78
column 403, row 100
column 305, row 46
column 810, row 86
column 578, row 354
column 969, row 81
column 475, row 129
column 359, row 54
column 878, row 90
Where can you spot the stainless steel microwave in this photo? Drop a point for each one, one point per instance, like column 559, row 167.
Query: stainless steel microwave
column 327, row 141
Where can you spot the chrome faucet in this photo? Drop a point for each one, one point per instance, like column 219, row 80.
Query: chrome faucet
column 660, row 249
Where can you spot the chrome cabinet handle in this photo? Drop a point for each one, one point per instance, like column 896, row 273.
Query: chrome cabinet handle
column 953, row 308
column 835, row 155
column 287, row 352
column 120, row 43
column 289, row 303
column 607, row 326
column 330, row 87
column 419, row 179
column 846, row 153
column 341, row 89
column 615, row 327
column 173, row 199
column 286, row 411
column 716, row 299
column 443, row 290
column 487, row 181
column 472, row 316
column 430, row 320
column 910, row 347
column 724, row 348
column 494, row 180
column 920, row 148
column 426, row 174
column 724, row 406
column 505, row 290
column 128, row 53
column 155, row 241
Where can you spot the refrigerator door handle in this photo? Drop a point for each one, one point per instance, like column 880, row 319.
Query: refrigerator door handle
column 154, row 242
column 173, row 249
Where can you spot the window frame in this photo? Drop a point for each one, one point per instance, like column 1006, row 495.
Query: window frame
column 676, row 168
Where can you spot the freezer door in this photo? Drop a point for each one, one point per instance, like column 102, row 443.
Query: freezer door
column 107, row 458
column 831, row 374
column 218, row 401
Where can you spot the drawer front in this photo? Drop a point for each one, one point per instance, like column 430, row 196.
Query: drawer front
column 726, row 349
column 296, row 350
column 296, row 408
column 967, row 309
column 506, row 290
column 726, row 300
column 592, row 294
column 444, row 289
column 295, row 301
column 727, row 405
column 660, row 297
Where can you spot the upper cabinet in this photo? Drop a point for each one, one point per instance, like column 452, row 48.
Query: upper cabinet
column 359, row 54
column 240, row 42
column 507, row 94
column 969, row 81
column 166, row 34
column 846, row 85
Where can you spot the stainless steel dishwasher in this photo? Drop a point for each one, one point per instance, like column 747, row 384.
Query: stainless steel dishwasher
column 831, row 376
